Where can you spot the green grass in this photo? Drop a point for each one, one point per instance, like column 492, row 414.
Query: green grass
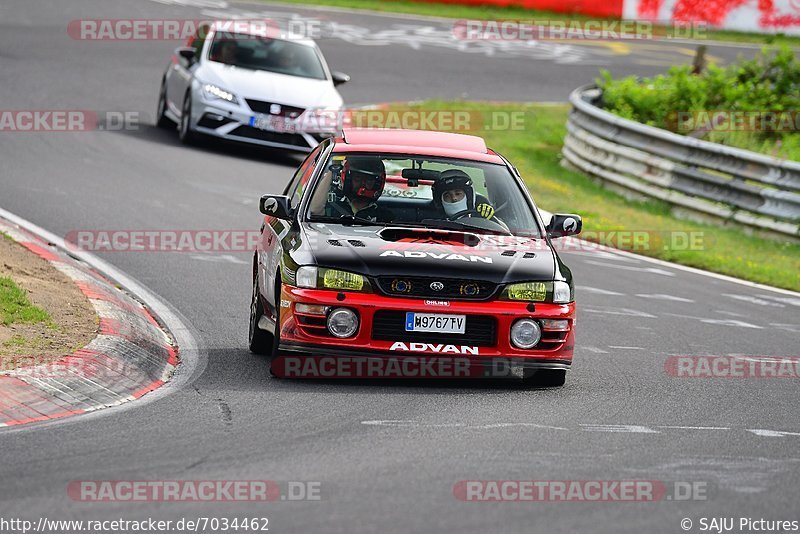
column 16, row 341
column 536, row 151
column 16, row 308
column 488, row 12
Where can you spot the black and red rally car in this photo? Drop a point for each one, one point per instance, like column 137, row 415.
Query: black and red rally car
column 394, row 244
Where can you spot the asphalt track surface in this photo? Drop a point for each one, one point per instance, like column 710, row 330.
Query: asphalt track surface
column 387, row 454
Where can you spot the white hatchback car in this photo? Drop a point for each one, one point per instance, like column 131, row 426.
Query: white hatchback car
column 248, row 87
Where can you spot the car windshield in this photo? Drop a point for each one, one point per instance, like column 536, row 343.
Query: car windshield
column 263, row 53
column 427, row 192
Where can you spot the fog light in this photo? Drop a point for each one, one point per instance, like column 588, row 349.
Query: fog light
column 342, row 322
column 525, row 333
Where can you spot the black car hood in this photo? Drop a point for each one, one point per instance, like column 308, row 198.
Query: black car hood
column 378, row 251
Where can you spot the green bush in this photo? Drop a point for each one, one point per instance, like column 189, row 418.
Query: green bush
column 769, row 83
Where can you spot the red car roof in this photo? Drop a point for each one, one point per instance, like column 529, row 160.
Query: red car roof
column 421, row 142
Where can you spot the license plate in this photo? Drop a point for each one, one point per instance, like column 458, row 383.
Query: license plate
column 270, row 123
column 435, row 322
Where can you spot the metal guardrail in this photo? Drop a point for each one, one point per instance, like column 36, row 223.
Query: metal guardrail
column 705, row 178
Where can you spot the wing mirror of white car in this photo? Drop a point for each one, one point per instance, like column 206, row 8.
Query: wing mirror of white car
column 339, row 78
column 564, row 224
column 278, row 206
column 186, row 54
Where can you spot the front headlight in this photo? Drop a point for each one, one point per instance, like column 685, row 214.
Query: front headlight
column 532, row 291
column 562, row 293
column 333, row 279
column 212, row 91
column 555, row 292
column 306, row 277
column 323, row 278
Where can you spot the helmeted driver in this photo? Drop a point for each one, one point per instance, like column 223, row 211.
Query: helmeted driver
column 360, row 184
column 454, row 193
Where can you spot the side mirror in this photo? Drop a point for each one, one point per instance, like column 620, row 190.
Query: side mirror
column 564, row 224
column 277, row 206
column 186, row 54
column 339, row 78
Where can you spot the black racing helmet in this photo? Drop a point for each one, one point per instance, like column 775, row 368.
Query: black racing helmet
column 366, row 165
column 453, row 179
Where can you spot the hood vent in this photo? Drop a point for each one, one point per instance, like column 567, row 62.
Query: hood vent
column 512, row 253
column 353, row 242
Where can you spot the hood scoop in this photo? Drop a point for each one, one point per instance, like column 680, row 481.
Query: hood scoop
column 433, row 236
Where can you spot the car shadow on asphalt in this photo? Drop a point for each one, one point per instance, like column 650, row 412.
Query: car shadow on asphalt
column 164, row 137
column 251, row 372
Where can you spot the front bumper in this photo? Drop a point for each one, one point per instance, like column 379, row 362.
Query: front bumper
column 297, row 336
column 232, row 122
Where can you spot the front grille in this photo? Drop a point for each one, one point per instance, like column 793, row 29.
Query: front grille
column 259, row 106
column 453, row 288
column 389, row 325
column 272, row 137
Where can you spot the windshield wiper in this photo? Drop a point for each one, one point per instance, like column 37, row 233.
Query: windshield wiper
column 353, row 220
column 344, row 219
column 461, row 225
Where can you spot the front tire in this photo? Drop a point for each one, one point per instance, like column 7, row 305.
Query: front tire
column 259, row 341
column 544, row 378
column 162, row 121
column 185, row 132
column 276, row 338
